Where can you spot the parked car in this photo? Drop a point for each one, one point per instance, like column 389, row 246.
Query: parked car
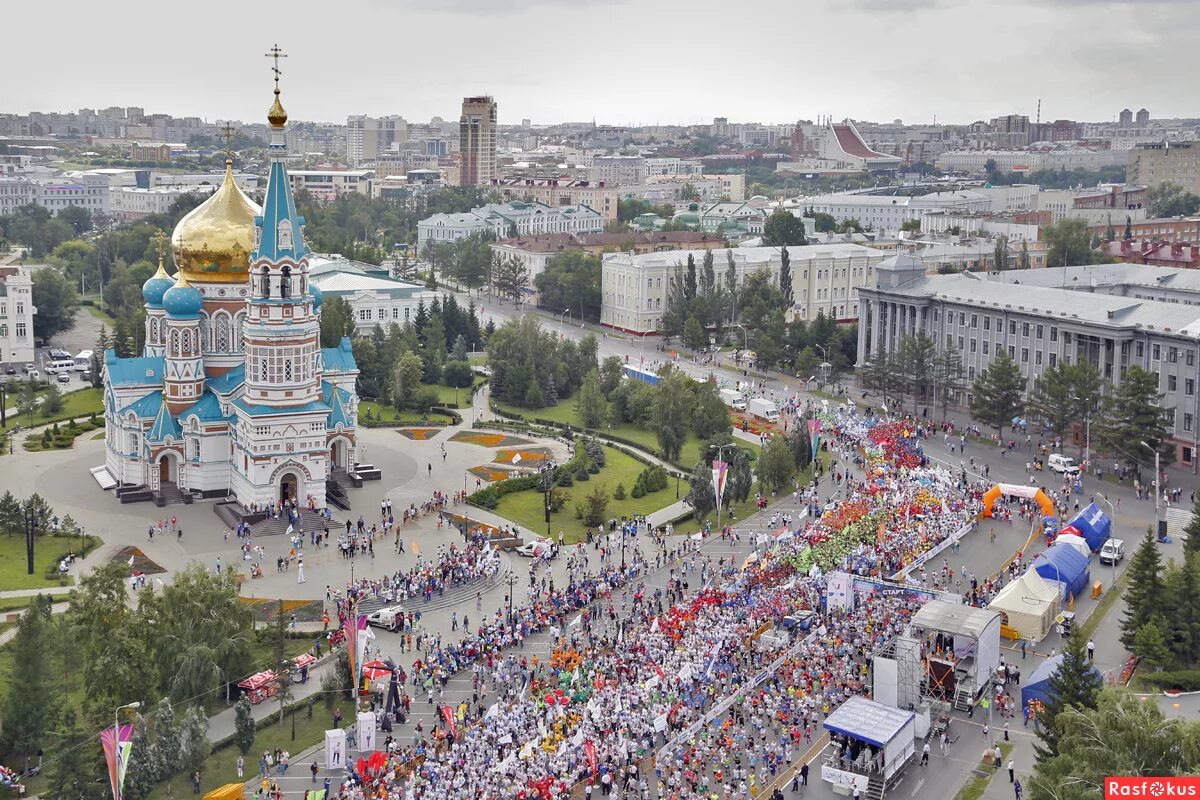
column 536, row 548
column 86, row 376
column 63, row 377
column 10, row 370
column 386, row 617
column 1113, row 552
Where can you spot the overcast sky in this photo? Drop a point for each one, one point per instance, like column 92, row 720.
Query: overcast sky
column 619, row 61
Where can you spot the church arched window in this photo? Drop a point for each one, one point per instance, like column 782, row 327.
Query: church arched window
column 202, row 341
column 285, row 235
column 262, row 367
column 187, row 342
column 175, row 342
column 222, row 333
column 154, row 330
column 265, row 286
column 285, row 282
column 238, row 321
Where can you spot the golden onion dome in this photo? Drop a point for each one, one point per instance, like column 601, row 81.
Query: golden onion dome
column 275, row 114
column 212, row 243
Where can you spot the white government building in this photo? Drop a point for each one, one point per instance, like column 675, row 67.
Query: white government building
column 825, row 280
column 530, row 218
column 1112, row 315
column 16, row 315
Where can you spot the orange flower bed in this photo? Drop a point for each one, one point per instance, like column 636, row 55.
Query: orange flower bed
column 489, row 474
column 533, row 455
column 488, row 439
column 419, row 434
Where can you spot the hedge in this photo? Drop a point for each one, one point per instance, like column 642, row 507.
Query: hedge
column 489, row 496
column 1184, row 680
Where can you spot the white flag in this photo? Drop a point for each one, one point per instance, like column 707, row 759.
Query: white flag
column 516, row 458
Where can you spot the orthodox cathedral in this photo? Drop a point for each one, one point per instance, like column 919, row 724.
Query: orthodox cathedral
column 233, row 394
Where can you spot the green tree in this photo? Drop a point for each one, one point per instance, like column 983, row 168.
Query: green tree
column 1000, row 261
column 1144, row 599
column 52, row 401
column 783, row 229
column 1182, row 588
column 671, row 414
column 74, row 772
column 30, row 699
column 590, row 404
column 141, row 773
column 997, row 393
column 1070, row 243
column 694, row 335
column 710, row 415
column 611, row 370
column 510, row 276
column 1169, row 199
column 776, row 465
column 689, row 279
column 1023, row 261
column 1121, row 735
column 884, row 374
column 824, row 223
column 407, row 378
column 1128, row 228
column 56, row 302
column 1065, row 393
column 595, row 506
column 195, row 747
column 337, row 321
column 571, row 280
column 1191, row 543
column 701, row 496
column 785, row 276
column 948, row 376
column 458, row 373
column 916, row 357
column 168, row 743
column 1133, row 414
column 1075, row 684
column 244, row 725
column 79, row 218
column 202, row 633
column 276, row 637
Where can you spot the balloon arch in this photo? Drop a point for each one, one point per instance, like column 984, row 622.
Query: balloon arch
column 1015, row 490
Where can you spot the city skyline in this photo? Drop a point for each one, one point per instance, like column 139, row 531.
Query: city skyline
column 899, row 59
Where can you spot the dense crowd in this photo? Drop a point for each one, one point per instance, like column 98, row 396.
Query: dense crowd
column 699, row 671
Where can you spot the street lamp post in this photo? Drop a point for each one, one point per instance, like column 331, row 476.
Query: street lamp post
column 117, row 714
column 1112, row 515
column 1158, row 498
column 566, row 312
column 510, row 580
column 745, row 337
column 34, row 519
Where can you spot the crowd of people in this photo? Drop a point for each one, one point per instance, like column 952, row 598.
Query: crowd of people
column 698, row 672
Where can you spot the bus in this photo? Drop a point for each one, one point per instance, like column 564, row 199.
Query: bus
column 83, row 361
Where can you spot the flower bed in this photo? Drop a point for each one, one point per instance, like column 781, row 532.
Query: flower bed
column 534, row 455
column 264, row 610
column 489, row 439
column 490, row 474
column 419, row 434
column 141, row 561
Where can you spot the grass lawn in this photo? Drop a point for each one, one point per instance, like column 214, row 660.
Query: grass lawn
column 76, row 404
column 645, row 438
column 387, row 413
column 447, row 397
column 103, row 316
column 47, row 550
column 527, row 508
column 975, row 786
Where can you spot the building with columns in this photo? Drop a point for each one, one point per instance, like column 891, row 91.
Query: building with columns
column 1112, row 315
column 233, row 395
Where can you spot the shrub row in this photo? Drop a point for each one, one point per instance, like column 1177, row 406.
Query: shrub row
column 1184, row 680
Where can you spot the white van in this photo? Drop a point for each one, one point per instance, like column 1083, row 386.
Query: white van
column 1113, row 552
column 1063, row 464
column 60, row 365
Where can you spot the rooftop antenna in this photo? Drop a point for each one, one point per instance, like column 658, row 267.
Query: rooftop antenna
column 1039, row 111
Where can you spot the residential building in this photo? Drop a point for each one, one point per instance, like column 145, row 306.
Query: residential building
column 704, row 188
column 734, row 221
column 130, row 203
column 501, row 219
column 534, row 251
column 1171, row 229
column 561, row 192
column 889, row 212
column 618, row 170
column 477, row 141
column 86, row 191
column 1155, row 252
column 326, row 185
column 15, row 192
column 374, row 296
column 1153, row 164
column 1112, row 315
column 825, row 280
column 368, row 137
column 975, row 162
column 1018, row 226
column 16, row 315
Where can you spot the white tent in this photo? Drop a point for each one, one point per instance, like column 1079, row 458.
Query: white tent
column 1076, row 542
column 1029, row 605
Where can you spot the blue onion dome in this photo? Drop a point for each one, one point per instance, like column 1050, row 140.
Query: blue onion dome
column 154, row 288
column 182, row 299
column 315, row 291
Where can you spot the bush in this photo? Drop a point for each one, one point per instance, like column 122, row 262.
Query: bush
column 1184, row 680
column 581, row 474
column 565, row 479
column 619, row 493
column 639, row 489
column 458, row 373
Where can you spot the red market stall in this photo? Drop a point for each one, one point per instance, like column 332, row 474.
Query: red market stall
column 259, row 686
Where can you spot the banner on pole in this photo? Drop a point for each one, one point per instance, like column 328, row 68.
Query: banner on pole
column 720, row 471
column 117, row 743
